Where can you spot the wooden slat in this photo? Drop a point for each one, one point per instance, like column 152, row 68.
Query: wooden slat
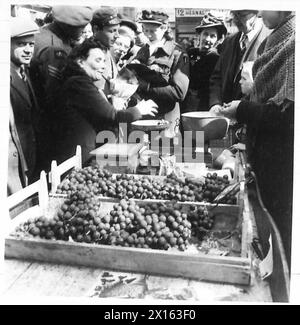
column 39, row 187
column 219, row 269
column 23, row 194
column 58, row 170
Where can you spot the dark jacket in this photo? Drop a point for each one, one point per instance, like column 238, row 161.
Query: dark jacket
column 270, row 147
column 82, row 113
column 51, row 49
column 25, row 111
column 224, row 81
column 201, row 67
column 172, row 66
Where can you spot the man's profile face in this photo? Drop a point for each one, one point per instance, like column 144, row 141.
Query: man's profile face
column 244, row 20
column 22, row 50
column 111, row 33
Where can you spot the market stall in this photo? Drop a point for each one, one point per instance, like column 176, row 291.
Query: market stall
column 170, row 236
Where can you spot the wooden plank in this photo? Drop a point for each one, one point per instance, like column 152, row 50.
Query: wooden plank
column 219, row 269
column 12, row 270
column 46, row 279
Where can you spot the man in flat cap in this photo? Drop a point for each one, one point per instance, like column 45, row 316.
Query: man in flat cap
column 23, row 110
column 236, row 49
column 105, row 24
column 52, row 46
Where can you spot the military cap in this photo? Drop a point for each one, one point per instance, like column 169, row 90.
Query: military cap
column 21, row 26
column 154, row 17
column 78, row 16
column 106, row 17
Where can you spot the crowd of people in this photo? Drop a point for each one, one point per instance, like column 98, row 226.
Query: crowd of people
column 66, row 75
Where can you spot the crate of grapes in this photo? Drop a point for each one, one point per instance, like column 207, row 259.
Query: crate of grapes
column 114, row 187
column 204, row 242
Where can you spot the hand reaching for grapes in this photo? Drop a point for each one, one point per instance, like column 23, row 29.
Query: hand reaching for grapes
column 147, row 107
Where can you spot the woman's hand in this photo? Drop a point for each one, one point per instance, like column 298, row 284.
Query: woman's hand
column 214, row 110
column 147, row 107
column 229, row 110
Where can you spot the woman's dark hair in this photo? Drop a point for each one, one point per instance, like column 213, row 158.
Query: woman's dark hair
column 81, row 51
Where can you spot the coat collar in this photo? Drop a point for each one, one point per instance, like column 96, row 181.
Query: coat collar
column 167, row 48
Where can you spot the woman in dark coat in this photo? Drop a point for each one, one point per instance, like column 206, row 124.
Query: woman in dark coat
column 269, row 117
column 203, row 59
column 84, row 110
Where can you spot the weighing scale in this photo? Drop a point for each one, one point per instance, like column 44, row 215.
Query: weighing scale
column 214, row 128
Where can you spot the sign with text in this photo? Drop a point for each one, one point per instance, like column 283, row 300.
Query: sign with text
column 189, row 12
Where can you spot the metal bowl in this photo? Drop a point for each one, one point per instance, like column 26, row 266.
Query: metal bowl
column 214, row 127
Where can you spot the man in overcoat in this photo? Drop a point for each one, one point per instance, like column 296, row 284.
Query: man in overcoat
column 23, row 109
column 236, row 49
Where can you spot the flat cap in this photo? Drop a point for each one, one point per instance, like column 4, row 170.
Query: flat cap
column 154, row 17
column 21, row 26
column 106, row 17
column 72, row 15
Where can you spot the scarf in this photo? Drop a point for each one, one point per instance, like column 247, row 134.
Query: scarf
column 273, row 70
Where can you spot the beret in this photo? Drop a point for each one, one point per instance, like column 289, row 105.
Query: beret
column 21, row 26
column 154, row 17
column 106, row 17
column 72, row 15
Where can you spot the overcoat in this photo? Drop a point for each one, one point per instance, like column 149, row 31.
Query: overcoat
column 224, row 85
column 25, row 111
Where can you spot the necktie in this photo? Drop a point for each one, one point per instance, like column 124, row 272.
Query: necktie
column 22, row 73
column 243, row 42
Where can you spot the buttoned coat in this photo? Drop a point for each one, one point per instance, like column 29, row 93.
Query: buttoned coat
column 25, row 112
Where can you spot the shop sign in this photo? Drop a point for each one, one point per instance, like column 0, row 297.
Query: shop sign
column 189, row 12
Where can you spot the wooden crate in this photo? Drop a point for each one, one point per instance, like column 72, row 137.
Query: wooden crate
column 234, row 270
